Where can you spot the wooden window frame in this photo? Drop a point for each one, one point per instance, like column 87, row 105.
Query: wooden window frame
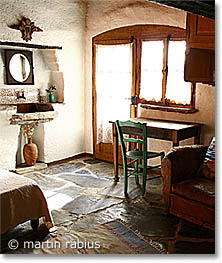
column 165, row 104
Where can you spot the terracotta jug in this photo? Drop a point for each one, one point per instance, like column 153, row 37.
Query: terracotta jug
column 30, row 152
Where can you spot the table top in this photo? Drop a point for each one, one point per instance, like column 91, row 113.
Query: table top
column 166, row 124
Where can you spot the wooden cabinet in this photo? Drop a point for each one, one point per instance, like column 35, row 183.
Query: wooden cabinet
column 200, row 51
column 200, row 32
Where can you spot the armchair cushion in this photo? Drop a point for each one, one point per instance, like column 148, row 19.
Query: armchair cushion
column 196, row 189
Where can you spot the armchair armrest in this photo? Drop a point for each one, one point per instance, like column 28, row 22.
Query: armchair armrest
column 179, row 164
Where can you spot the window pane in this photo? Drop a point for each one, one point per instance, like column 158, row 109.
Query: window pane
column 177, row 90
column 151, row 70
column 113, row 87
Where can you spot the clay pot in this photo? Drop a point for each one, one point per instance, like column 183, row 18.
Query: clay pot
column 30, row 152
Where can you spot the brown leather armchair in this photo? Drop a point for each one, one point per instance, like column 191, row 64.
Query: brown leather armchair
column 185, row 194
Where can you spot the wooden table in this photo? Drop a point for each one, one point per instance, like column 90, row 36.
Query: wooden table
column 160, row 129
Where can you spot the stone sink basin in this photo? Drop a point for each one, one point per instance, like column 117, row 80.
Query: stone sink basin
column 34, row 107
column 28, row 113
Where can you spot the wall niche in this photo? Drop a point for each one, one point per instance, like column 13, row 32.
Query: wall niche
column 46, row 72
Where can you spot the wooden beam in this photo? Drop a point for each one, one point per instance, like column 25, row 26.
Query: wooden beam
column 199, row 7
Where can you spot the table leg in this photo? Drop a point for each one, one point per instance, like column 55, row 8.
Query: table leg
column 175, row 139
column 197, row 137
column 115, row 153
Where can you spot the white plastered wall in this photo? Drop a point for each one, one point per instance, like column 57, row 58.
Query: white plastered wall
column 8, row 140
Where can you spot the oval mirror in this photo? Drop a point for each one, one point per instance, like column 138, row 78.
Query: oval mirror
column 19, row 67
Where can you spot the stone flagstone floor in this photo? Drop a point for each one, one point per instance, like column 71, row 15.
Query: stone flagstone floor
column 81, row 193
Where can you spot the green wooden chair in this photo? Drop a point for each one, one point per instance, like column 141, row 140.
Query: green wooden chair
column 139, row 132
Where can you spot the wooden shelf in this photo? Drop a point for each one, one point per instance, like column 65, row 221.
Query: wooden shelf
column 26, row 45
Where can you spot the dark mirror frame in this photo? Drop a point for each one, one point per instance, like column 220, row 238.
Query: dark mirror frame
column 9, row 53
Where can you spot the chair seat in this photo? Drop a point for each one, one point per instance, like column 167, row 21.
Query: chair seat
column 136, row 154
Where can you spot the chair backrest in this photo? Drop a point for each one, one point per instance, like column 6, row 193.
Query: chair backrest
column 134, row 129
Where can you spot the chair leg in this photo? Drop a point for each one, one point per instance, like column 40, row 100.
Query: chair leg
column 136, row 172
column 125, row 182
column 144, row 177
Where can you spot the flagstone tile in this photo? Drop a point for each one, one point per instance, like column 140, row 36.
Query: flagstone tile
column 86, row 204
column 82, row 171
column 92, row 161
column 44, row 181
column 103, row 169
column 85, row 180
column 64, row 168
column 150, row 221
column 60, row 216
column 117, row 190
column 70, row 190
